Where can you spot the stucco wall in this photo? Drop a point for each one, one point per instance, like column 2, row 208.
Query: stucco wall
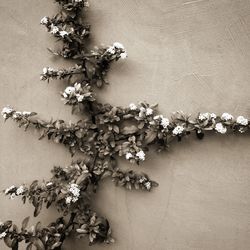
column 191, row 56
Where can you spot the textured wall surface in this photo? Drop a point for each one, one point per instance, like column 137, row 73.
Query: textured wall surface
column 185, row 55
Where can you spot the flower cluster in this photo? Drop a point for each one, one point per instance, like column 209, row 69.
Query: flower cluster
column 206, row 116
column 8, row 112
column 242, row 120
column 73, row 95
column 139, row 156
column 226, row 117
column 118, row 50
column 162, row 121
column 74, row 193
column 130, row 179
column 178, row 130
column 49, row 72
column 14, row 191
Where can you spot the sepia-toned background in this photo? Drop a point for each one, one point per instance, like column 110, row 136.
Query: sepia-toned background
column 185, row 55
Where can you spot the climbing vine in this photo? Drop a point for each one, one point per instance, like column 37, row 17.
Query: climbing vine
column 104, row 133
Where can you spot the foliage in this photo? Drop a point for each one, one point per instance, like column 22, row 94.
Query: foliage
column 105, row 133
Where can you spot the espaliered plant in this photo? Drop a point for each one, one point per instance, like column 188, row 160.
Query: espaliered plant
column 104, row 133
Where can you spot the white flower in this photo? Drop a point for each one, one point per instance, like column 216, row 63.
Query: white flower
column 178, row 130
column 242, row 120
column 118, row 45
column 68, row 200
column 203, row 116
column 63, row 33
column 20, row 190
column 164, row 122
column 123, row 55
column 26, row 113
column 2, row 235
column 149, row 111
column 142, row 179
column 49, row 184
column 128, row 156
column 79, row 98
column 111, row 50
column 220, row 128
column 69, row 90
column 44, row 20
column 7, row 110
column 148, row 185
column 74, row 199
column 7, row 190
column 141, row 155
column 132, row 106
column 213, row 115
column 74, row 189
column 54, row 29
column 226, row 117
column 65, row 95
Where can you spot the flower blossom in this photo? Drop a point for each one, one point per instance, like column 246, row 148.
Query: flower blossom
column 204, row 116
column 141, row 155
column 213, row 115
column 128, row 155
column 63, row 33
column 164, row 122
column 74, row 189
column 149, row 111
column 132, row 106
column 54, row 29
column 118, row 45
column 20, row 190
column 75, row 193
column 220, row 128
column 47, row 70
column 111, row 50
column 69, row 90
column 242, row 120
column 68, row 200
column 148, row 185
column 6, row 111
column 123, row 55
column 226, row 117
column 178, row 130
column 78, row 92
column 142, row 179
column 117, row 48
column 26, row 113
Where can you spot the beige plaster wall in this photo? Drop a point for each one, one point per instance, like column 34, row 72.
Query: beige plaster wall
column 188, row 55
